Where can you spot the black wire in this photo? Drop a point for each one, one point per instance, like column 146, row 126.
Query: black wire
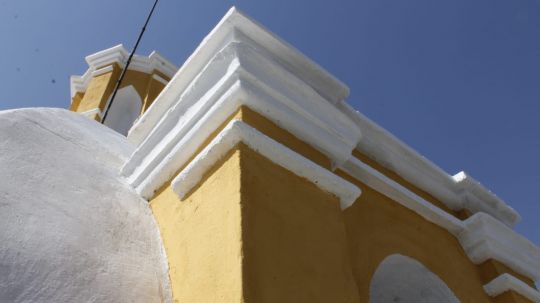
column 119, row 81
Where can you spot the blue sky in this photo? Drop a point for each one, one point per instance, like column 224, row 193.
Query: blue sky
column 457, row 80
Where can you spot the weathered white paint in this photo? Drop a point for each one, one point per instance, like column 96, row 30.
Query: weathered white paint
column 237, row 131
column 71, row 230
column 507, row 282
column 124, row 110
column 405, row 280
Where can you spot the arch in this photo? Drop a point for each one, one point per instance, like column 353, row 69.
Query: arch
column 403, row 279
column 125, row 109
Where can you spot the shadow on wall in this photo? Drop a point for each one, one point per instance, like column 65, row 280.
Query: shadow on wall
column 403, row 279
column 125, row 109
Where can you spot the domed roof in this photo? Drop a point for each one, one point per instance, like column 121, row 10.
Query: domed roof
column 71, row 230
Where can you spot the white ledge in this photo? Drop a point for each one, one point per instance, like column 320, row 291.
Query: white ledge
column 311, row 73
column 393, row 190
column 485, row 237
column 457, row 192
column 507, row 282
column 237, row 131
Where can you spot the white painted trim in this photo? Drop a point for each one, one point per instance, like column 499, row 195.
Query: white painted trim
column 397, row 156
column 377, row 143
column 393, row 190
column 103, row 70
column 316, row 77
column 485, row 237
column 118, row 54
column 239, row 75
column 237, row 131
column 507, row 282
column 91, row 112
column 160, row 79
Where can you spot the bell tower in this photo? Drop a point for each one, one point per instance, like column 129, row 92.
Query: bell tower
column 144, row 80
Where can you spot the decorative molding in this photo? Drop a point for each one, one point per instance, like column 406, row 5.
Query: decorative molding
column 507, row 282
column 237, row 131
column 311, row 73
column 103, row 70
column 240, row 74
column 481, row 236
column 119, row 55
column 485, row 237
column 393, row 190
column 454, row 191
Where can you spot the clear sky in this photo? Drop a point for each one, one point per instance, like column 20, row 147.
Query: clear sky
column 457, row 80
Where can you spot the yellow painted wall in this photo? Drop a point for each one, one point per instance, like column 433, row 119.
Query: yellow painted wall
column 294, row 240
column 378, row 227
column 202, row 238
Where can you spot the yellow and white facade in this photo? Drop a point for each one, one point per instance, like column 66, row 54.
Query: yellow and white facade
column 144, row 80
column 266, row 186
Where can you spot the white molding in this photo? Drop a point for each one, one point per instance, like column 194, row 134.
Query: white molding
column 237, row 131
column 507, row 282
column 240, row 74
column 393, row 190
column 316, row 77
column 119, row 55
column 485, row 237
column 454, row 191
column 160, row 79
column 103, row 70
column 481, row 236
column 91, row 112
column 376, row 142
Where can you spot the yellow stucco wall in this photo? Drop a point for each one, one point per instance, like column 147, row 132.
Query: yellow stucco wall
column 294, row 240
column 202, row 238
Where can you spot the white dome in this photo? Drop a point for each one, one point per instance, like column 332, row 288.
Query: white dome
column 71, row 230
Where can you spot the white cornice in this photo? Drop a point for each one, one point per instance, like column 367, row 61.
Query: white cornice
column 457, row 192
column 237, row 131
column 240, row 74
column 485, row 238
column 312, row 74
column 507, row 282
column 119, row 55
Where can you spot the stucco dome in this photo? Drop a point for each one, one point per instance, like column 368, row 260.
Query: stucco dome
column 71, row 230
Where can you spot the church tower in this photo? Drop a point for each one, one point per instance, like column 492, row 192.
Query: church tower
column 144, row 80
